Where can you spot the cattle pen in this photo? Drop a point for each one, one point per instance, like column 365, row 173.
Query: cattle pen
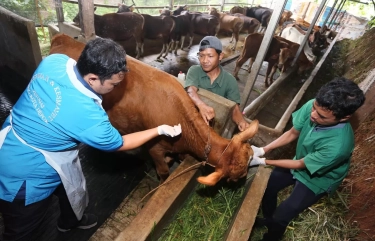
column 116, row 193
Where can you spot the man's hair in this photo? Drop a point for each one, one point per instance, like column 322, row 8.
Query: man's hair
column 102, row 57
column 341, row 96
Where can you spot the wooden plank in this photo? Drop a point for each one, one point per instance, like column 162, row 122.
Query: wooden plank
column 244, row 220
column 162, row 205
column 86, row 15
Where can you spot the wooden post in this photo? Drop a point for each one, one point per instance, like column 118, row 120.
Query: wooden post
column 273, row 23
column 302, row 45
column 171, row 3
column 86, row 15
column 305, row 11
column 222, row 5
column 329, row 14
column 59, row 11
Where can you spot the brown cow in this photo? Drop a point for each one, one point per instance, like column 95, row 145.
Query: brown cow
column 250, row 50
column 303, row 62
column 137, row 104
column 155, row 27
column 228, row 23
column 119, row 27
column 250, row 25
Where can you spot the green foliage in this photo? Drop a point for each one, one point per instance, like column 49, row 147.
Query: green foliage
column 371, row 23
column 29, row 9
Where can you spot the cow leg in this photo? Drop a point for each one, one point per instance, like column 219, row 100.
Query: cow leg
column 166, row 50
column 142, row 48
column 158, row 153
column 138, row 49
column 240, row 61
column 176, row 47
column 171, row 44
column 231, row 39
column 236, row 40
column 182, row 42
column 250, row 64
column 191, row 41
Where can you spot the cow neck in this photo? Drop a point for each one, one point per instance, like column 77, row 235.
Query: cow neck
column 213, row 158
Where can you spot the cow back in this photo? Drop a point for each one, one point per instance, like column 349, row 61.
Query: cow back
column 262, row 14
column 203, row 24
column 156, row 26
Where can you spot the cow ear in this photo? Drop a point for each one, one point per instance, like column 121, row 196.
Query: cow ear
column 249, row 132
column 211, row 179
column 119, row 5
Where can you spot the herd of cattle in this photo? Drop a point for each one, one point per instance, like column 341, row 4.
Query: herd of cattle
column 173, row 26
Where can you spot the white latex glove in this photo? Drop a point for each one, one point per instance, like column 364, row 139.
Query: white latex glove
column 257, row 161
column 258, row 151
column 171, row 131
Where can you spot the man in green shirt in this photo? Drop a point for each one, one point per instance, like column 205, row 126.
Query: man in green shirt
column 325, row 145
column 211, row 76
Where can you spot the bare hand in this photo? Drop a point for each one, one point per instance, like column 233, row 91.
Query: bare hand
column 207, row 112
column 243, row 125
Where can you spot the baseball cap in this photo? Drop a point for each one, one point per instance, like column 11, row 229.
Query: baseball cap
column 210, row 42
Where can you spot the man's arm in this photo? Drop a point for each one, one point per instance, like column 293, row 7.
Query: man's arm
column 284, row 163
column 284, row 139
column 239, row 119
column 207, row 112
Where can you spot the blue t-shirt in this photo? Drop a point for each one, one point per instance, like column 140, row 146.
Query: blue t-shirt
column 56, row 112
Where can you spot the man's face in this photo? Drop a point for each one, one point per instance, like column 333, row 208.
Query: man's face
column 108, row 85
column 209, row 59
column 322, row 116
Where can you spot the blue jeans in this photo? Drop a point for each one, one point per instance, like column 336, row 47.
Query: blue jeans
column 278, row 217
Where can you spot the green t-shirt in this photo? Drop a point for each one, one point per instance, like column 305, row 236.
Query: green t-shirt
column 224, row 85
column 326, row 151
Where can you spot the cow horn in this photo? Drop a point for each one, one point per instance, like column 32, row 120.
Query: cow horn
column 249, row 132
column 211, row 179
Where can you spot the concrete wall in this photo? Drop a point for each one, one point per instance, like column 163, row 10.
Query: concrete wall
column 19, row 46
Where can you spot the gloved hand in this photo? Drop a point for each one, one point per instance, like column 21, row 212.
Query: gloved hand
column 257, row 161
column 258, row 151
column 171, row 131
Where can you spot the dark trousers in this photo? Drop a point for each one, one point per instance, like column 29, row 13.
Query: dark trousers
column 21, row 221
column 278, row 217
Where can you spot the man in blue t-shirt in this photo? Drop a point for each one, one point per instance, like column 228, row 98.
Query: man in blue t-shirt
column 325, row 145
column 60, row 108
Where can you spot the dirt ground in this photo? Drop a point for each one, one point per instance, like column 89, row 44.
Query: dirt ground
column 356, row 60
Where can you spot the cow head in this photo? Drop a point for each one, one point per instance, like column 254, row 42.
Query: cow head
column 165, row 12
column 213, row 11
column 233, row 163
column 237, row 9
column 179, row 9
column 317, row 42
column 122, row 8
